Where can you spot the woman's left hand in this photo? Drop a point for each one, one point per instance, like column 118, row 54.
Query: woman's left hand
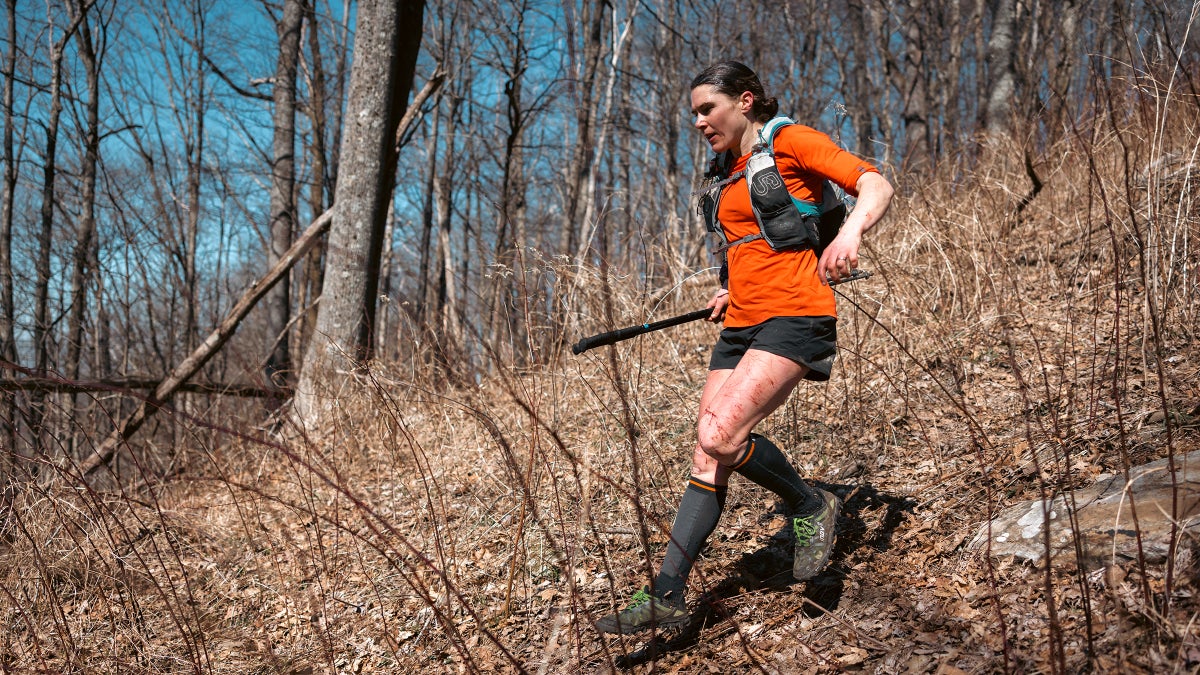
column 841, row 256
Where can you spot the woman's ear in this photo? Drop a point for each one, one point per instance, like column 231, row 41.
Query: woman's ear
column 746, row 102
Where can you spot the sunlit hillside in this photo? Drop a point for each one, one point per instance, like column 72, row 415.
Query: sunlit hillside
column 462, row 493
column 996, row 354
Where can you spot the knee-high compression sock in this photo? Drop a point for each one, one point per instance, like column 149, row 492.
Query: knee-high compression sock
column 699, row 510
column 765, row 464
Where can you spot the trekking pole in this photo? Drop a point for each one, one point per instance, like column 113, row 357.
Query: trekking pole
column 615, row 336
column 622, row 334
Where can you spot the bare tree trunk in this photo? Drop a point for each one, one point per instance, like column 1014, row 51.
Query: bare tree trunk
column 916, row 86
column 679, row 239
column 450, row 350
column 83, row 256
column 102, row 356
column 447, row 339
column 580, row 168
column 1001, row 75
column 600, row 120
column 321, row 182
column 385, row 283
column 1064, row 68
column 504, row 326
column 41, row 320
column 960, row 20
column 858, row 78
column 8, row 347
column 194, row 146
column 85, row 235
column 385, row 54
column 194, row 138
column 424, row 276
column 340, row 80
column 283, row 179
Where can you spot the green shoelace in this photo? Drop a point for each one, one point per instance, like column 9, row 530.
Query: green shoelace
column 804, row 529
column 639, row 598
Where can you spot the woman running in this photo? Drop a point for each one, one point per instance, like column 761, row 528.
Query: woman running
column 779, row 321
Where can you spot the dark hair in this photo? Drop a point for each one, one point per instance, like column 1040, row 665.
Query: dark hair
column 732, row 78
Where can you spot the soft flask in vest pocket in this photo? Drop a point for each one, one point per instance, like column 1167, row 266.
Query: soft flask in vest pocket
column 781, row 223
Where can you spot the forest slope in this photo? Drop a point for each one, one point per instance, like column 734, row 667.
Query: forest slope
column 1005, row 348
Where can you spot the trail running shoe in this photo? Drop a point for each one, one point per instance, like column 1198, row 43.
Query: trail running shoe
column 645, row 611
column 815, row 535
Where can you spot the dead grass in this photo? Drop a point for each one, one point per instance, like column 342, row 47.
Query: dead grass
column 484, row 528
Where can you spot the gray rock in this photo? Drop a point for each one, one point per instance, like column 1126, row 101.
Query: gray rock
column 1103, row 515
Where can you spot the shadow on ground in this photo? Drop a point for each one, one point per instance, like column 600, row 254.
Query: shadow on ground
column 770, row 569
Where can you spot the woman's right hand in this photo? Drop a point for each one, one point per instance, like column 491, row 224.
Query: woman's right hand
column 718, row 304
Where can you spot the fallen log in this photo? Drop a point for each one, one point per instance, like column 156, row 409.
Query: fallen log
column 133, row 384
column 175, row 380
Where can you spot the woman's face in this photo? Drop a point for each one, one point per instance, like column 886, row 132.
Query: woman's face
column 721, row 118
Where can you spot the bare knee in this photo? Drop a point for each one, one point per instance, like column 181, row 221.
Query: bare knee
column 717, row 440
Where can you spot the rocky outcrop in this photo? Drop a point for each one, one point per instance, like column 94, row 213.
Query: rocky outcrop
column 1104, row 517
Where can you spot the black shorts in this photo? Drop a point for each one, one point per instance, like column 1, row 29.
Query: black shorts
column 810, row 341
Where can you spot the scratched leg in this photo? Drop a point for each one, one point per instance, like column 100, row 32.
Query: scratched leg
column 759, row 384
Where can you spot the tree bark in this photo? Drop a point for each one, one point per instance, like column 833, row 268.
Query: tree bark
column 423, row 300
column 583, row 157
column 503, row 323
column 600, row 119
column 41, row 319
column 124, row 385
column 8, row 347
column 321, row 180
column 446, row 336
column 283, row 178
column 1001, row 75
column 84, row 238
column 194, row 139
column 858, row 83
column 7, row 312
column 385, row 54
column 1064, row 68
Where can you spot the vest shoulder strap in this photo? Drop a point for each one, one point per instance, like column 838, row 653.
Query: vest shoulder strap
column 766, row 135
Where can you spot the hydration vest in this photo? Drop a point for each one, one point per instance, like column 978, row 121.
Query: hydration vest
column 785, row 222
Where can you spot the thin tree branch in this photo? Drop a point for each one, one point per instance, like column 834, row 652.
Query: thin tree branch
column 415, row 108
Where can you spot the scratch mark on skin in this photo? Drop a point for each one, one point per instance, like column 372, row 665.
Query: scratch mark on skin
column 717, row 435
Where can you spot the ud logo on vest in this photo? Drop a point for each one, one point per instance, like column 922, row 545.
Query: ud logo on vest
column 764, row 183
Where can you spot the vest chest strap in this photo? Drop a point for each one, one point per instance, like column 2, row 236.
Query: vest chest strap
column 730, row 244
column 705, row 189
